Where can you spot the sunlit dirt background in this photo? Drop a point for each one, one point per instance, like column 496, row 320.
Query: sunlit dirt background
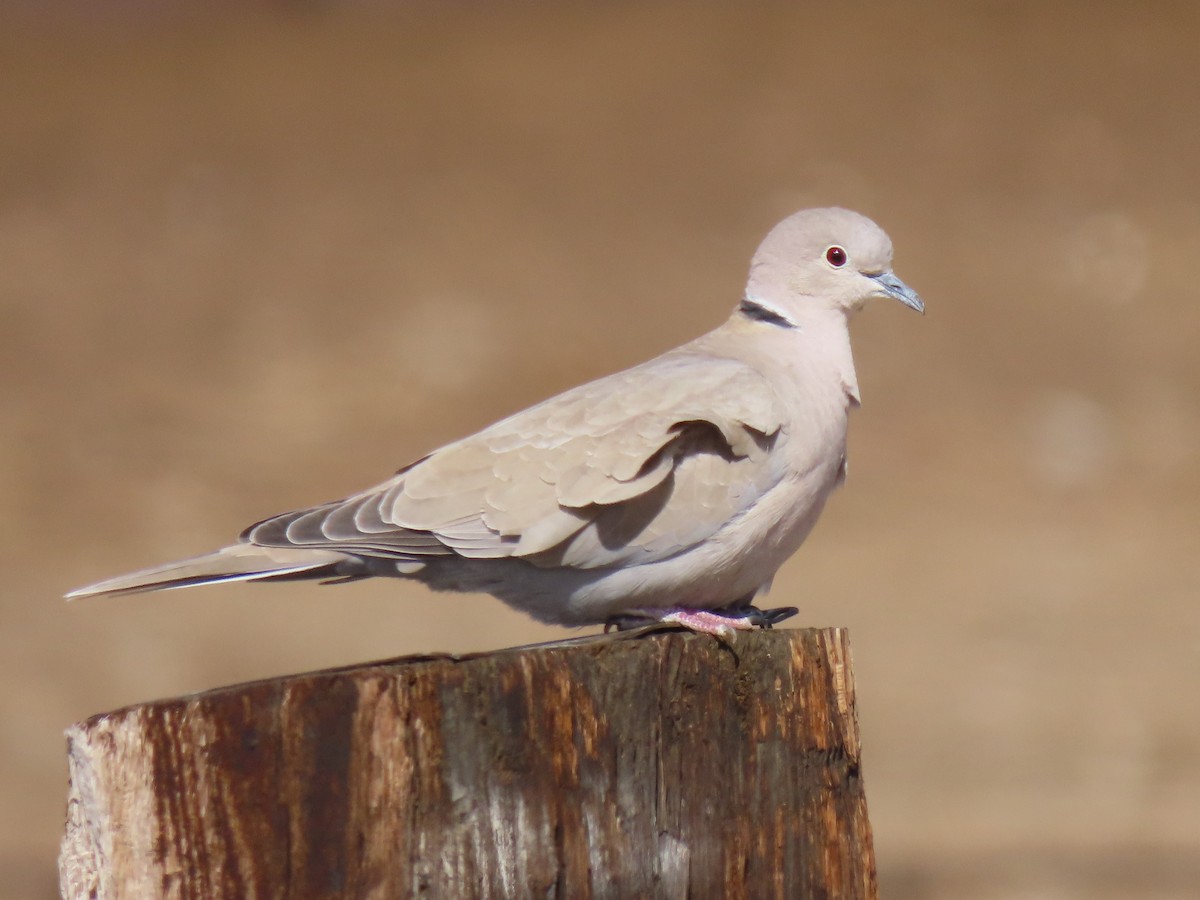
column 252, row 259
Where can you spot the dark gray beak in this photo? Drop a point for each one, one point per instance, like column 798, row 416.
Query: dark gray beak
column 898, row 290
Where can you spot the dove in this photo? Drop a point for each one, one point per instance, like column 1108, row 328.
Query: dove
column 669, row 493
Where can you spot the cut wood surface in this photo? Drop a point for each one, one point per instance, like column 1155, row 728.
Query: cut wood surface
column 665, row 765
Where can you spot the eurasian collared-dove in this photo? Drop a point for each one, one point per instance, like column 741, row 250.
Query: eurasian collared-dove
column 671, row 491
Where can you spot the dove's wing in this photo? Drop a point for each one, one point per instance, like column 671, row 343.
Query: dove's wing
column 631, row 468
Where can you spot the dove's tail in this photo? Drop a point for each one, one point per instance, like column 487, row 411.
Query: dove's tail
column 240, row 562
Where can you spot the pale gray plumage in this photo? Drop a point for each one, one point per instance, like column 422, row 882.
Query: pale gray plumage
column 684, row 482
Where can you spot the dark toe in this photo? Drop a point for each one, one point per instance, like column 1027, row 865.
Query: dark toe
column 764, row 618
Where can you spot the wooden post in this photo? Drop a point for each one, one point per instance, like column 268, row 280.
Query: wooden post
column 669, row 765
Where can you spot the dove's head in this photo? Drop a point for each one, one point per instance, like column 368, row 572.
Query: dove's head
column 822, row 260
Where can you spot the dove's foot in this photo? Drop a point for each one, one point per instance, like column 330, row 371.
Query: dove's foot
column 705, row 621
column 766, row 618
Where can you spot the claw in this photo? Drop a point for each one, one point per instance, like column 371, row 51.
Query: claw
column 766, row 618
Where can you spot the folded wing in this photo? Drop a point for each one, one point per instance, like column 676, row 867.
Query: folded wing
column 632, row 468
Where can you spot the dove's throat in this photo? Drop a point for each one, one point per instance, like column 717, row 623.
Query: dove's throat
column 810, row 358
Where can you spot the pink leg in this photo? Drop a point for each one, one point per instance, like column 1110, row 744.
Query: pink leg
column 706, row 622
column 703, row 621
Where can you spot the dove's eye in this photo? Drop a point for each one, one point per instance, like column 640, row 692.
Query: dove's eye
column 836, row 256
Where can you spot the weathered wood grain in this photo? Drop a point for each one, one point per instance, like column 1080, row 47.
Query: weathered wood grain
column 671, row 765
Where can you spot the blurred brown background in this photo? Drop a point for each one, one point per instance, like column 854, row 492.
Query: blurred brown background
column 254, row 259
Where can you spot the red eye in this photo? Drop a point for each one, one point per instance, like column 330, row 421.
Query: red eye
column 836, row 256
